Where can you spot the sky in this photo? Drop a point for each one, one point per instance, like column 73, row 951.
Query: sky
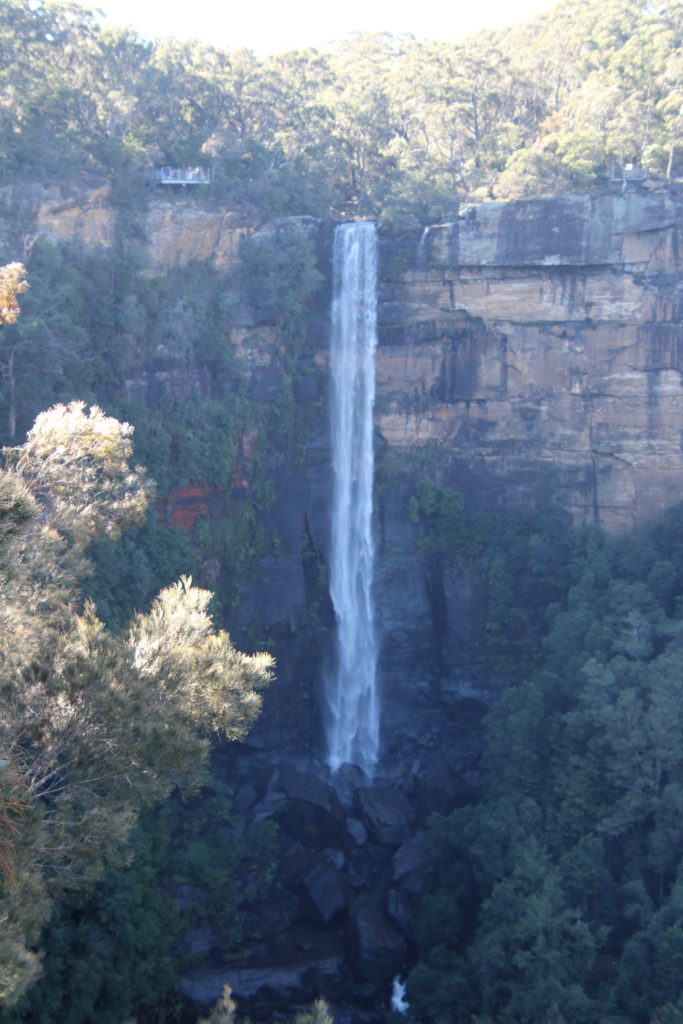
column 273, row 26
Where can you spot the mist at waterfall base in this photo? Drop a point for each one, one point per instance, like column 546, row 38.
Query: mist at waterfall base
column 352, row 719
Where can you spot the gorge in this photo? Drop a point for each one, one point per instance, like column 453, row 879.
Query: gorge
column 342, row 679
column 526, row 352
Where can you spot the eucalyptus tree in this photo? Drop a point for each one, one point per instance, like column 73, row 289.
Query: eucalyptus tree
column 94, row 726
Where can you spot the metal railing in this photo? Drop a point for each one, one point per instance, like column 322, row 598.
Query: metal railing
column 180, row 175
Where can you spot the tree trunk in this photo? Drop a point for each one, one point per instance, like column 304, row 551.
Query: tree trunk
column 11, row 398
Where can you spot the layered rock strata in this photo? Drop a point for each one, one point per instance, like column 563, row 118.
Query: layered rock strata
column 543, row 339
column 533, row 340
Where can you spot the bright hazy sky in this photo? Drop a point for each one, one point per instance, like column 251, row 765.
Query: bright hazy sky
column 273, row 26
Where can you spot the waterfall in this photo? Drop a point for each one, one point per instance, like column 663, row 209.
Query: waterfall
column 351, row 688
column 422, row 250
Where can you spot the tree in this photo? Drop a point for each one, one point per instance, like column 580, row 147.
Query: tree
column 532, row 952
column 12, row 284
column 224, row 1010
column 95, row 727
column 78, row 461
column 280, row 276
column 318, row 1014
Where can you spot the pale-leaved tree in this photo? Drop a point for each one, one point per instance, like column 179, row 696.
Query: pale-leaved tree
column 93, row 726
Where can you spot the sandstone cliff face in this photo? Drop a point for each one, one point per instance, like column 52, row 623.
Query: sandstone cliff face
column 544, row 338
column 79, row 211
column 529, row 340
column 178, row 229
column 179, row 232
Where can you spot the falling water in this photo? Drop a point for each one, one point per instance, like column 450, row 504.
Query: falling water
column 352, row 702
column 422, row 250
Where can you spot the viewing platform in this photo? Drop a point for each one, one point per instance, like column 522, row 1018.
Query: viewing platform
column 624, row 173
column 179, row 175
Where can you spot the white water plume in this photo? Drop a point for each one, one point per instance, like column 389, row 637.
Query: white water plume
column 352, row 700
column 422, row 250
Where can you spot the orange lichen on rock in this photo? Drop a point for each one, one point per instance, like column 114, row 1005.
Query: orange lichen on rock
column 184, row 506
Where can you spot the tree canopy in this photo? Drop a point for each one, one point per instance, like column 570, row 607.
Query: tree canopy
column 378, row 124
column 558, row 897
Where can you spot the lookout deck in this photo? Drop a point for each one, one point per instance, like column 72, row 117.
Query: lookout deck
column 180, row 175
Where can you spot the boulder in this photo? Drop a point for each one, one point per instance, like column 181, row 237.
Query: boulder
column 375, row 945
column 414, row 880
column 334, row 857
column 268, row 917
column 312, row 825
column 299, row 785
column 295, row 864
column 313, row 813
column 325, row 892
column 366, row 866
column 409, row 857
column 347, row 779
column 270, row 807
column 387, row 813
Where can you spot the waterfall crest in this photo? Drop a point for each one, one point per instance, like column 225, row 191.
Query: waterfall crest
column 351, row 689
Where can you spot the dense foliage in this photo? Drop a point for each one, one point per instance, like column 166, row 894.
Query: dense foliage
column 558, row 897
column 160, row 354
column 378, row 125
column 85, row 312
column 94, row 727
column 121, row 950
